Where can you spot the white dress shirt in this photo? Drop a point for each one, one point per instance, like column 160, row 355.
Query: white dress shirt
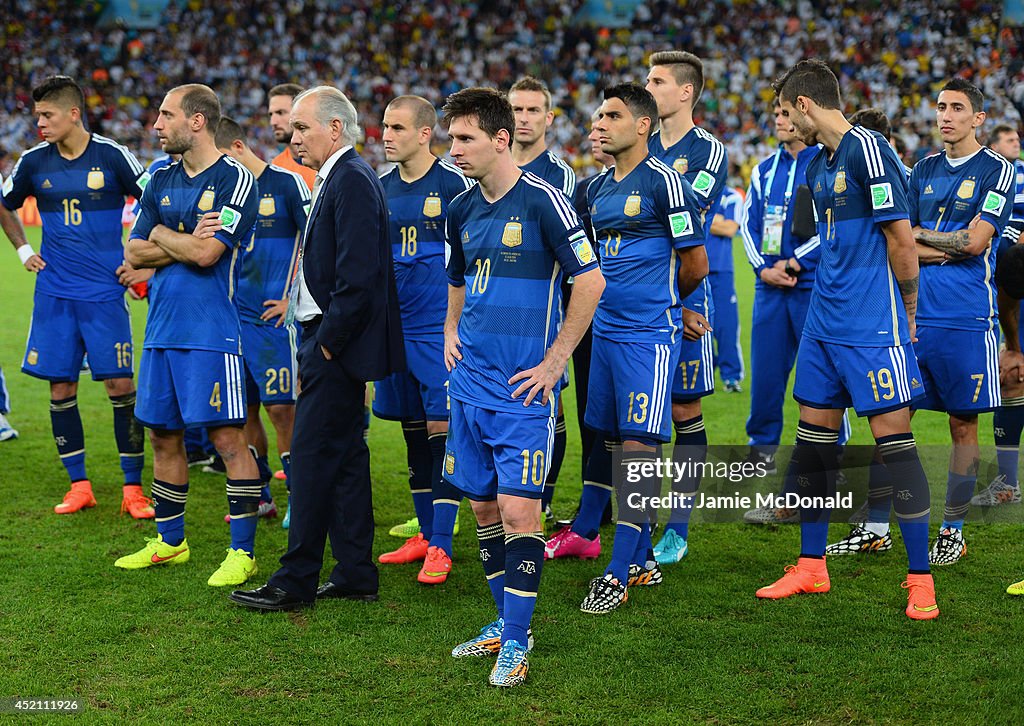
column 305, row 306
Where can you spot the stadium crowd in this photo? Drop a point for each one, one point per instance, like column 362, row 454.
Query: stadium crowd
column 840, row 233
column 886, row 56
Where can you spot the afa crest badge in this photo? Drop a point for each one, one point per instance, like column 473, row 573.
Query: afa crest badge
column 840, row 185
column 632, row 207
column 681, row 165
column 267, row 207
column 95, row 179
column 966, row 190
column 432, row 207
column 513, row 234
column 206, row 201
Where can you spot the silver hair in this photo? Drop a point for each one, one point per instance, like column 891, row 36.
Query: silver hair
column 333, row 104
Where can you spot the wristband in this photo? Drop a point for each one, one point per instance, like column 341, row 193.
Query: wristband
column 24, row 252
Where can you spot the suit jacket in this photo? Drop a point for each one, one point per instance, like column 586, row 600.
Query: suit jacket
column 349, row 272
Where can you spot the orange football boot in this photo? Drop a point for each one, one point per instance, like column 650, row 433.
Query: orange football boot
column 921, row 603
column 808, row 575
column 136, row 503
column 414, row 550
column 79, row 497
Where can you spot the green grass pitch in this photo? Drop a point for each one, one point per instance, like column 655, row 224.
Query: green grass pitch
column 160, row 646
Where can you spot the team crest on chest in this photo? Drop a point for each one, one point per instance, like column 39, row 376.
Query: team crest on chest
column 681, row 165
column 966, row 190
column 840, row 185
column 432, row 207
column 95, row 179
column 512, row 236
column 632, row 207
column 206, row 201
column 267, row 206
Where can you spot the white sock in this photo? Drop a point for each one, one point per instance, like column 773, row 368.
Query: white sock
column 877, row 528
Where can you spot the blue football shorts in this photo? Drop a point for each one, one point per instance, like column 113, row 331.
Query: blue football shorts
column 629, row 390
column 63, row 331
column 871, row 380
column 179, row 388
column 959, row 369
column 269, row 355
column 497, row 452
column 419, row 393
column 694, row 376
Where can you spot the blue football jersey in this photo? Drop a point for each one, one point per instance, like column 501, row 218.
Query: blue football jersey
column 511, row 256
column 193, row 307
column 270, row 252
column 961, row 295
column 1018, row 196
column 555, row 171
column 417, row 213
column 730, row 206
column 639, row 223
column 701, row 159
column 159, row 163
column 703, row 162
column 80, row 203
column 856, row 300
column 767, row 193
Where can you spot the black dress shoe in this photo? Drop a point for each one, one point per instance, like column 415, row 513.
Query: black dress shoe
column 268, row 597
column 331, row 590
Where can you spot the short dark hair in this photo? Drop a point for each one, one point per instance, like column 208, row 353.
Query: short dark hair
column 638, row 100
column 488, row 106
column 874, row 119
column 967, row 88
column 285, row 89
column 813, row 79
column 423, row 111
column 228, row 132
column 61, row 90
column 529, row 83
column 197, row 98
column 999, row 130
column 1010, row 269
column 685, row 68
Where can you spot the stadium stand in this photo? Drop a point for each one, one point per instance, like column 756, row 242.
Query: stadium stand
column 886, row 56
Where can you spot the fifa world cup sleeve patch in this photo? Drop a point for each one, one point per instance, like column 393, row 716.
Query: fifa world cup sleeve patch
column 305, row 209
column 994, row 203
column 581, row 248
column 703, row 183
column 229, row 219
column 8, row 185
column 881, row 196
column 143, row 180
column 681, row 224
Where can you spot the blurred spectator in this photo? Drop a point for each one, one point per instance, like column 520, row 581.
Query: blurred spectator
column 886, row 55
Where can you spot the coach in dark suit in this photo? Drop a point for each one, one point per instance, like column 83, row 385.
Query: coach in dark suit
column 345, row 300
